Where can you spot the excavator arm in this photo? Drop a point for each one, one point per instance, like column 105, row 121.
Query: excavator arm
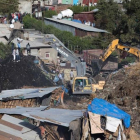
column 98, row 64
column 66, row 53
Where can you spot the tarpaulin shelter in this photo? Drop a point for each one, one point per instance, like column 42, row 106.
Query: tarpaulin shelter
column 104, row 108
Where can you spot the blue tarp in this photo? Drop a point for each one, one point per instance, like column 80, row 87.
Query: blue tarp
column 104, row 108
column 75, row 20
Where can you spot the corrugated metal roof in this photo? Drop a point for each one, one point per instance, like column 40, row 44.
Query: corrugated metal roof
column 56, row 116
column 26, row 93
column 20, row 110
column 77, row 25
column 33, row 44
column 4, row 30
column 29, row 132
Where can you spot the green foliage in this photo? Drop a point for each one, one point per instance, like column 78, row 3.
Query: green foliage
column 108, row 15
column 49, row 13
column 129, row 28
column 78, row 8
column 8, row 6
column 66, row 37
column 4, row 50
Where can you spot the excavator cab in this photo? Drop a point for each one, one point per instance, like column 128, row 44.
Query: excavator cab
column 82, row 85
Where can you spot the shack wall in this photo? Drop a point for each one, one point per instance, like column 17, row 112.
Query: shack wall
column 62, row 27
column 25, row 6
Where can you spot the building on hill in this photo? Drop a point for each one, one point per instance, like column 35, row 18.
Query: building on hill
column 77, row 29
column 38, row 47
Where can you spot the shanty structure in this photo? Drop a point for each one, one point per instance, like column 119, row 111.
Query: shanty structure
column 77, row 29
column 26, row 97
column 85, row 16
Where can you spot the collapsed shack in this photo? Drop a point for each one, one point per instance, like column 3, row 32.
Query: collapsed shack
column 99, row 122
column 122, row 88
column 27, row 97
column 14, row 75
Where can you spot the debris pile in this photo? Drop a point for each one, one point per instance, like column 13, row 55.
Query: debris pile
column 122, row 88
column 15, row 75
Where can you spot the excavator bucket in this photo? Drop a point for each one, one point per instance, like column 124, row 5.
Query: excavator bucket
column 96, row 65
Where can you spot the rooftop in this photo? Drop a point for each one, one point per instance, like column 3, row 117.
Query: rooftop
column 15, row 129
column 77, row 25
column 26, row 93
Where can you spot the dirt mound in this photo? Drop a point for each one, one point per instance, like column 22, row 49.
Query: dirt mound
column 24, row 73
column 123, row 89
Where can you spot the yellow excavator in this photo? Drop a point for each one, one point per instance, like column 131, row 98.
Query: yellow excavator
column 99, row 63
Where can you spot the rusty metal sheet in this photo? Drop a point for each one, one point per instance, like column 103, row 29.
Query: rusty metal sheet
column 7, row 136
column 16, row 127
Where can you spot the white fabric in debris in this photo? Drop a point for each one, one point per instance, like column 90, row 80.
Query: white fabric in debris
column 113, row 123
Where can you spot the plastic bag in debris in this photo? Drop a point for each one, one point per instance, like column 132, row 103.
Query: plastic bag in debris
column 104, row 108
column 56, row 79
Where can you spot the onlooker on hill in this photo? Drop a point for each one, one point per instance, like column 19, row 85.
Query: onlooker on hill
column 14, row 54
column 17, row 55
column 28, row 49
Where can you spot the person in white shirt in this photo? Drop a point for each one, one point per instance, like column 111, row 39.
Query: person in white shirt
column 71, row 74
column 14, row 54
column 17, row 55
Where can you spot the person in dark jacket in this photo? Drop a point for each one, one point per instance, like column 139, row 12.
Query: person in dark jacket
column 28, row 49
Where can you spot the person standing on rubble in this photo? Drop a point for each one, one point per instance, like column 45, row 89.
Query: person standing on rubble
column 71, row 74
column 12, row 46
column 14, row 54
column 17, row 55
column 28, row 49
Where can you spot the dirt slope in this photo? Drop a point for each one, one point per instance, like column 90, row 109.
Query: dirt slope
column 24, row 73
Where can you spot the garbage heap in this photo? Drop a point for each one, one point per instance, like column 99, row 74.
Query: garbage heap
column 15, row 75
column 123, row 89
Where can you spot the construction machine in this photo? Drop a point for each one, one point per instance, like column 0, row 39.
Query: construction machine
column 81, row 83
column 99, row 63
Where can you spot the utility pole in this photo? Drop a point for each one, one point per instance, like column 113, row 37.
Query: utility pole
column 31, row 8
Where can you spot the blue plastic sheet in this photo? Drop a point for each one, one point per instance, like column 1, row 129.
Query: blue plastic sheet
column 104, row 108
column 64, row 89
column 75, row 20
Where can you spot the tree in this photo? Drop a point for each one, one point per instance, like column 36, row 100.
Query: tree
column 129, row 28
column 8, row 6
column 109, row 15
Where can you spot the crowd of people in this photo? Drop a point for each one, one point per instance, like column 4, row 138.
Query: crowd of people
column 12, row 18
column 16, row 51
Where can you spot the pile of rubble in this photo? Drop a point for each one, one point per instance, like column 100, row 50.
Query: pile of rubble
column 122, row 88
column 15, row 75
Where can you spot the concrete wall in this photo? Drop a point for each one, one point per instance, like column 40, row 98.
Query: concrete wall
column 53, row 54
column 41, row 53
column 25, row 6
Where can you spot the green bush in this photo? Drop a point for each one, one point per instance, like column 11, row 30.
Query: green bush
column 49, row 13
column 4, row 50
